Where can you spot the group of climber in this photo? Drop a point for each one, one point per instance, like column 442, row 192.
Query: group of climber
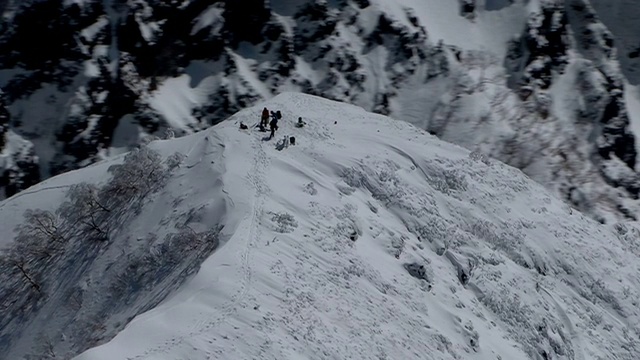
column 273, row 124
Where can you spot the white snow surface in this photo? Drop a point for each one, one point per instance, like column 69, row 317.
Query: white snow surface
column 318, row 233
column 207, row 18
column 488, row 31
column 176, row 98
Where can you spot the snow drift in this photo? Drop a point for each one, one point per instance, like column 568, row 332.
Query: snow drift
column 367, row 239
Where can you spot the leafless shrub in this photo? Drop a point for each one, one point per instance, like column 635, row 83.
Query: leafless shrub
column 17, row 263
column 87, row 209
column 42, row 234
column 141, row 173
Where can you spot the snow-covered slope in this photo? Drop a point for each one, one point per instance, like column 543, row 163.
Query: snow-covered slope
column 367, row 239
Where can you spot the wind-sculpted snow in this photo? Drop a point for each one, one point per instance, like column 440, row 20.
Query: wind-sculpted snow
column 367, row 239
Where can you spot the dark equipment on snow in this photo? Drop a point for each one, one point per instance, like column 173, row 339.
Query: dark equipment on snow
column 243, row 126
column 292, row 140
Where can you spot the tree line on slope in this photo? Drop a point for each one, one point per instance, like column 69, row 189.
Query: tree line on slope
column 54, row 252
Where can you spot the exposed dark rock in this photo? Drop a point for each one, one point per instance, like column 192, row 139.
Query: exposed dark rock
column 418, row 271
column 467, row 8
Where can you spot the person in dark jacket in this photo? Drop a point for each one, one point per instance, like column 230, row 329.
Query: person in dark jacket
column 265, row 117
column 273, row 124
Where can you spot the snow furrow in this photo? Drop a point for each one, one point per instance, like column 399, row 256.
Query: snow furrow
column 256, row 178
column 575, row 337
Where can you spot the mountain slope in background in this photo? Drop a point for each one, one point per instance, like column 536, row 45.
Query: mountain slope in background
column 537, row 84
column 366, row 239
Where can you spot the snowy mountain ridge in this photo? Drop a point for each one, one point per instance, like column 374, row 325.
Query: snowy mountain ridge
column 368, row 238
column 546, row 86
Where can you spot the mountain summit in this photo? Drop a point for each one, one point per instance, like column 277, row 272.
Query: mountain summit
column 368, row 238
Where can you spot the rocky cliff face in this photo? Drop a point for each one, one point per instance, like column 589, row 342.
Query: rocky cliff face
column 83, row 79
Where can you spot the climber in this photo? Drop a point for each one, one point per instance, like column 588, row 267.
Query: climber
column 300, row 123
column 264, row 120
column 273, row 124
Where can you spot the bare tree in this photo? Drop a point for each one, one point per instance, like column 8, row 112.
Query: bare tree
column 86, row 208
column 173, row 161
column 15, row 261
column 42, row 231
column 44, row 348
column 141, row 173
